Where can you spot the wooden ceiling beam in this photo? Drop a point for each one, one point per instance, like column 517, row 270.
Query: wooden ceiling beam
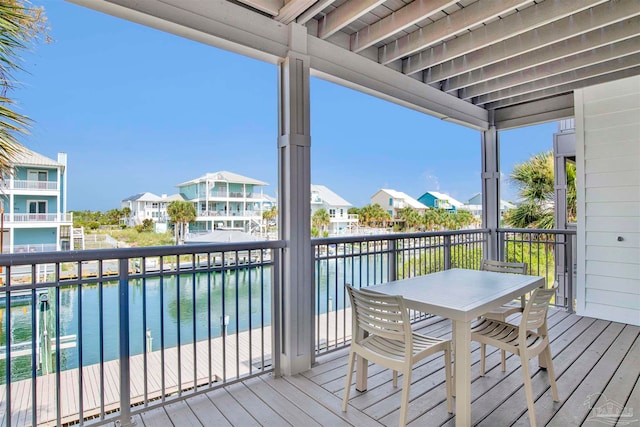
column 511, row 26
column 442, row 29
column 399, row 20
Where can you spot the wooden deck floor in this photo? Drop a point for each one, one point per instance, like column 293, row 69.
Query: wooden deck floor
column 597, row 366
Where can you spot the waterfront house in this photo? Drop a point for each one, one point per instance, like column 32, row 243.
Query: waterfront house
column 434, row 199
column 474, row 205
column 392, row 201
column 458, row 61
column 225, row 200
column 341, row 222
column 148, row 206
column 34, row 203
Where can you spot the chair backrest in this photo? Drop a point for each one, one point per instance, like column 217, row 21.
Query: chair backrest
column 504, row 267
column 378, row 314
column 535, row 313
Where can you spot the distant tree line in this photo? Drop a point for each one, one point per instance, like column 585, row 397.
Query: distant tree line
column 409, row 219
column 93, row 220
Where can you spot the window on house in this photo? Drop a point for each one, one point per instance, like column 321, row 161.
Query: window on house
column 390, row 201
column 37, row 206
column 34, row 175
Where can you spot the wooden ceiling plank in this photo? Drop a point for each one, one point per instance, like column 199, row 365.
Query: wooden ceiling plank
column 579, row 75
column 572, row 26
column 511, row 26
column 343, row 15
column 457, row 22
column 399, row 20
column 576, row 45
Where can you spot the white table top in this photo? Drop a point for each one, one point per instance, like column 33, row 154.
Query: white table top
column 460, row 294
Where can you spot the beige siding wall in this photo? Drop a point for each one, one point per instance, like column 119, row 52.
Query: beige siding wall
column 608, row 172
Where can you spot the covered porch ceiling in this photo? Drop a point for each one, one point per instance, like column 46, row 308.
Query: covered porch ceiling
column 479, row 63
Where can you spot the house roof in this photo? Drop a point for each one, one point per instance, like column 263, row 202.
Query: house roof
column 404, row 197
column 224, row 176
column 442, row 196
column 172, row 198
column 150, row 197
column 30, row 158
column 143, row 197
column 328, row 196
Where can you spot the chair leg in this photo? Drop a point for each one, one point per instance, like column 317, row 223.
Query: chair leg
column 528, row 390
column 448, row 379
column 406, row 385
column 347, row 387
column 483, row 353
column 395, row 379
column 503, row 360
column 551, row 373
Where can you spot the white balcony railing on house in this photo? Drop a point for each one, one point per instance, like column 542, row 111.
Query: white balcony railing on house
column 38, row 217
column 34, row 247
column 20, row 184
column 231, row 194
column 251, row 214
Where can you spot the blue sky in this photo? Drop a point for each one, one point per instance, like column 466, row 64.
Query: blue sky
column 139, row 110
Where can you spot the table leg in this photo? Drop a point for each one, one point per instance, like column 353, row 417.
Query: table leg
column 462, row 334
column 362, row 367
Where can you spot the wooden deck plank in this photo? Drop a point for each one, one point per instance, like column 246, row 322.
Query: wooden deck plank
column 314, row 408
column 207, row 412
column 266, row 408
column 231, row 409
column 181, row 415
column 575, row 411
column 156, row 418
column 583, row 356
column 331, row 401
column 621, row 385
column 494, row 388
column 632, row 403
column 588, row 355
column 563, row 359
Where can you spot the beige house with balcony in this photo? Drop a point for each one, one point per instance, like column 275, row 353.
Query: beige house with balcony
column 392, row 201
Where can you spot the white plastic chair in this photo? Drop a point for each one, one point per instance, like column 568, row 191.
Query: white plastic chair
column 504, row 311
column 382, row 334
column 522, row 341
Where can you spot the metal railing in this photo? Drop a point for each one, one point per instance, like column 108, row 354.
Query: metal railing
column 97, row 336
column 370, row 260
column 547, row 253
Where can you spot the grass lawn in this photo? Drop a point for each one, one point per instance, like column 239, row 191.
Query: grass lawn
column 146, row 238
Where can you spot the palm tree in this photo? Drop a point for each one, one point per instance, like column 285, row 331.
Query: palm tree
column 535, row 182
column 182, row 213
column 320, row 219
column 410, row 217
column 270, row 215
column 19, row 26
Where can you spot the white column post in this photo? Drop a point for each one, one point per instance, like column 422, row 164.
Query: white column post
column 491, row 189
column 294, row 194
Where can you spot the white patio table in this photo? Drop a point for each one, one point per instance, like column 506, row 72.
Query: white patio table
column 460, row 295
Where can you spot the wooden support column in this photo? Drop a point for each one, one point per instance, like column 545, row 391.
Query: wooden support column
column 491, row 189
column 294, row 197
